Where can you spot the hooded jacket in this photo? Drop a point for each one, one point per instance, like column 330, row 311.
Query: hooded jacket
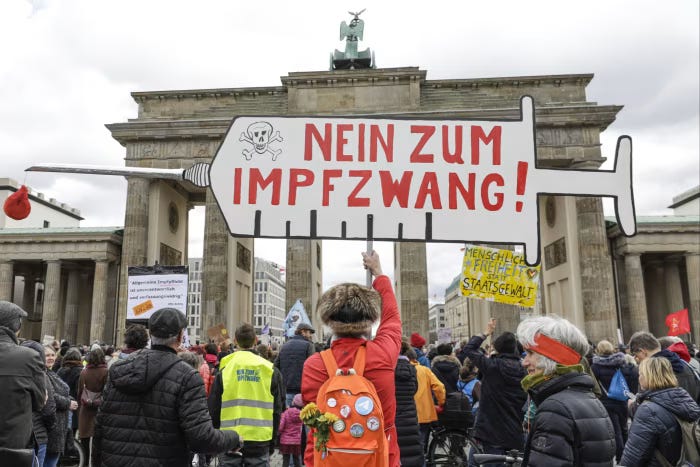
column 23, row 390
column 446, row 368
column 499, row 422
column 571, row 428
column 685, row 375
column 154, row 412
column 654, row 427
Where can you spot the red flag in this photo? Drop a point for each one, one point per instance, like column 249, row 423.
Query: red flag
column 678, row 323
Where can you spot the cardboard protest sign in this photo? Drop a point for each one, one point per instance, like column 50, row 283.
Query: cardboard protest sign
column 397, row 179
column 218, row 333
column 499, row 275
column 151, row 288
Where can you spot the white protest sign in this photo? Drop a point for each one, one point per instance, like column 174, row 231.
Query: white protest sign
column 398, row 179
column 148, row 293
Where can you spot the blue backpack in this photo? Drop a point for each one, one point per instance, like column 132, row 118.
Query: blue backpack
column 468, row 390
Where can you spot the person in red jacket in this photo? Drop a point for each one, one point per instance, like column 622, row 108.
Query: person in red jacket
column 350, row 310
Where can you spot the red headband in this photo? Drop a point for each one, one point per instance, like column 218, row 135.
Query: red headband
column 555, row 350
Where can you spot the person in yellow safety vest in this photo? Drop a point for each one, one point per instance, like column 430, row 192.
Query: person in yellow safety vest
column 247, row 397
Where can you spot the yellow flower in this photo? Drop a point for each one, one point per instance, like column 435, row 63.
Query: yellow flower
column 332, row 418
column 309, row 412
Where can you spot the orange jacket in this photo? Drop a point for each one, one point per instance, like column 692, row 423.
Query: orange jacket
column 428, row 384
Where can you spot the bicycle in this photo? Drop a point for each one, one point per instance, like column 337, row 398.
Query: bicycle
column 512, row 457
column 450, row 447
column 77, row 458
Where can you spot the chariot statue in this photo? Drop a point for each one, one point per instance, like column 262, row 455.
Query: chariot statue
column 352, row 59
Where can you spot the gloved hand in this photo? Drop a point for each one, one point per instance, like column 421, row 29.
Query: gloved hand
column 439, row 409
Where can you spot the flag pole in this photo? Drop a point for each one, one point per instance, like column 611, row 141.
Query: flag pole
column 370, row 246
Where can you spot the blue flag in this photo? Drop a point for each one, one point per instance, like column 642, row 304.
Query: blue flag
column 265, row 329
column 297, row 314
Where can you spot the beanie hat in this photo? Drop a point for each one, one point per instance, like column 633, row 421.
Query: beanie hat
column 37, row 347
column 298, row 401
column 505, row 343
column 349, row 310
column 417, row 340
column 11, row 315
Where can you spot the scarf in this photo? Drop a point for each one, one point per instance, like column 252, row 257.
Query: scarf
column 530, row 381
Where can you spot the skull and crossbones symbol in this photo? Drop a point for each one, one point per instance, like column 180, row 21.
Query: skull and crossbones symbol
column 259, row 134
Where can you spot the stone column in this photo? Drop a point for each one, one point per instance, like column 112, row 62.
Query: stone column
column 412, row 286
column 636, row 296
column 597, row 284
column 28, row 297
column 215, row 270
column 52, row 294
column 656, row 299
column 674, row 290
column 134, row 243
column 7, row 280
column 70, row 318
column 99, row 301
column 692, row 266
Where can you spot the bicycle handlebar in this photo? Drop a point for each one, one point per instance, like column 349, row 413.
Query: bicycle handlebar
column 487, row 458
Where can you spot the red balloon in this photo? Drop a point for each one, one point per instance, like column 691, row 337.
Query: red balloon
column 17, row 204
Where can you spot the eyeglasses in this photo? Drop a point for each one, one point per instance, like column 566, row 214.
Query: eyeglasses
column 635, row 351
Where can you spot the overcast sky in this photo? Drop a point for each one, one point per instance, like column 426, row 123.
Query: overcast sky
column 67, row 68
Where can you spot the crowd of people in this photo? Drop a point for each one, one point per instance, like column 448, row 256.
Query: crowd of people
column 542, row 389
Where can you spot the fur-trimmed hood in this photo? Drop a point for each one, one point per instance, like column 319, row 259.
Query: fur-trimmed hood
column 349, row 309
column 615, row 360
column 446, row 358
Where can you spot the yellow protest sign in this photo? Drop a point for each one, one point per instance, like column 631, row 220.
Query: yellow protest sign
column 499, row 275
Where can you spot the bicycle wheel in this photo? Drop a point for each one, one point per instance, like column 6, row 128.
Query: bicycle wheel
column 75, row 458
column 449, row 448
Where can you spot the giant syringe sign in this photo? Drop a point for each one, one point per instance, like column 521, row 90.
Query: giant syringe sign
column 399, row 179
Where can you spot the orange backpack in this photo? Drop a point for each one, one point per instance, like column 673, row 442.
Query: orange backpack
column 357, row 439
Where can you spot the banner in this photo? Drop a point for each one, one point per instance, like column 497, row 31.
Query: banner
column 398, row 179
column 499, row 275
column 444, row 335
column 678, row 323
column 297, row 314
column 151, row 288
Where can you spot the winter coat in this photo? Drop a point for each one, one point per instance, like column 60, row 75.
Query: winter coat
column 57, row 433
column 685, row 375
column 605, row 367
column 93, row 377
column 499, row 422
column 654, row 427
column 382, row 353
column 429, row 387
column 70, row 374
column 23, row 384
column 290, row 362
column 571, row 427
column 154, row 413
column 406, row 418
column 446, row 368
column 290, row 427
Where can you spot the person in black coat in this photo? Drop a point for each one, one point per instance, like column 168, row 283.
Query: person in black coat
column 22, row 380
column 498, row 424
column 446, row 367
column 604, row 367
column 71, row 366
column 291, row 358
column 571, row 426
column 654, row 427
column 406, row 420
column 154, row 408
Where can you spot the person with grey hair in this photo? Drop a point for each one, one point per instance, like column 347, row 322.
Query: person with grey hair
column 571, row 426
column 23, row 385
column 159, row 398
column 644, row 345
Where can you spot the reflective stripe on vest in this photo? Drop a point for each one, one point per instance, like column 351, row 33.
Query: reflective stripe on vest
column 247, row 402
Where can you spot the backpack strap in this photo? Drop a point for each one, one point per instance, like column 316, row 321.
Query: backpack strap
column 332, row 366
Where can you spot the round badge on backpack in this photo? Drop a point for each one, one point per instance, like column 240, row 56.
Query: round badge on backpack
column 372, row 423
column 356, row 430
column 339, row 426
column 364, row 405
column 345, row 411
